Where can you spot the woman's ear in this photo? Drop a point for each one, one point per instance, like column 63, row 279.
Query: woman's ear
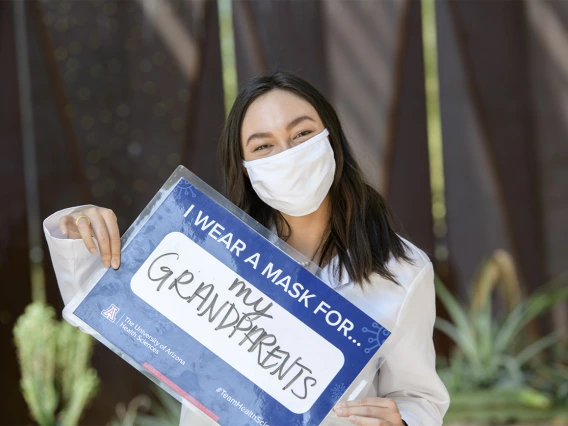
column 245, row 171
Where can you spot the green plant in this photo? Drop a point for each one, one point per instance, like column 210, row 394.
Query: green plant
column 550, row 374
column 162, row 410
column 57, row 382
column 492, row 351
column 492, row 364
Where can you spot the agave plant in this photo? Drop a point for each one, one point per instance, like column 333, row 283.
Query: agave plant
column 492, row 352
column 551, row 373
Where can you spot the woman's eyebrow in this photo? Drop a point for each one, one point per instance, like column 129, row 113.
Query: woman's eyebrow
column 291, row 124
column 298, row 120
column 259, row 135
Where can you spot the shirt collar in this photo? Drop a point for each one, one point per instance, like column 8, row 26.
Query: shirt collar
column 327, row 274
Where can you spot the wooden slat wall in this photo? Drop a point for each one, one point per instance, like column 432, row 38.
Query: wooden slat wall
column 493, row 192
column 114, row 114
column 14, row 257
column 272, row 35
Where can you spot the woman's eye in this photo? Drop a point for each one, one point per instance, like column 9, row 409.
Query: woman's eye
column 304, row 133
column 261, row 147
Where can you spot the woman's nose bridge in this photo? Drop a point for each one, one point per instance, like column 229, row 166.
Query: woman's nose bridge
column 285, row 142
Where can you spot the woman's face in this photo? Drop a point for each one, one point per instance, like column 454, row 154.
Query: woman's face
column 275, row 122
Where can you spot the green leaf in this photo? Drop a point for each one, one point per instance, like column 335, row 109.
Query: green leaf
column 524, row 313
column 538, row 346
column 467, row 346
column 455, row 310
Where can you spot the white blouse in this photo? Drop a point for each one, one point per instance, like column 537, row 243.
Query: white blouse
column 407, row 375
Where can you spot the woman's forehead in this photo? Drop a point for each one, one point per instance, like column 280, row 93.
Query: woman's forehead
column 275, row 110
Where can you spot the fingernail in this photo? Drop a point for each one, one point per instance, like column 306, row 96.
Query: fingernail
column 106, row 263
column 338, row 410
column 93, row 250
column 63, row 231
column 352, row 419
column 115, row 263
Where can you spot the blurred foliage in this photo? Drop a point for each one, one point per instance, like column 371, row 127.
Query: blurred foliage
column 434, row 127
column 497, row 370
column 228, row 58
column 57, row 381
column 162, row 410
column 551, row 373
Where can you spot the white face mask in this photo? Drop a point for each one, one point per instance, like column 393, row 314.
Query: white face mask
column 295, row 181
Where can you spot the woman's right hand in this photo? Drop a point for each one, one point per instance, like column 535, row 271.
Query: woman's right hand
column 103, row 227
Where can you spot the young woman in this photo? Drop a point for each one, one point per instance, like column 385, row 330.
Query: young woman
column 287, row 163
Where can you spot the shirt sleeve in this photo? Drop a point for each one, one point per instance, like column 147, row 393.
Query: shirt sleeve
column 72, row 261
column 408, row 374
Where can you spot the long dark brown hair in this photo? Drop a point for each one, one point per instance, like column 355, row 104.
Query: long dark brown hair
column 361, row 231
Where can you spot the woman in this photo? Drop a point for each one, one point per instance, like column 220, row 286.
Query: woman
column 287, row 163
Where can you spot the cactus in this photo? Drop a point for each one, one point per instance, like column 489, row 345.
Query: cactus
column 57, row 381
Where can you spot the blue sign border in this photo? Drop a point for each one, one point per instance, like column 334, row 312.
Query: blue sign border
column 204, row 372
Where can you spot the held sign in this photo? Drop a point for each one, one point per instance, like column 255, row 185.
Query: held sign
column 220, row 312
column 237, row 322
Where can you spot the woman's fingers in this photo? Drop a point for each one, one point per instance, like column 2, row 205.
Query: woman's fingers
column 370, row 411
column 85, row 232
column 103, row 226
column 365, row 411
column 63, row 224
column 369, row 402
column 368, row 421
column 114, row 235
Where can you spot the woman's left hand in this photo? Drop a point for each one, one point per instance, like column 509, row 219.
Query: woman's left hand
column 372, row 411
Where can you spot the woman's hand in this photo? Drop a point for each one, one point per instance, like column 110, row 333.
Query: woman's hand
column 372, row 411
column 103, row 227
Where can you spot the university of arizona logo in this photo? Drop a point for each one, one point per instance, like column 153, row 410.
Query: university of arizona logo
column 110, row 313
